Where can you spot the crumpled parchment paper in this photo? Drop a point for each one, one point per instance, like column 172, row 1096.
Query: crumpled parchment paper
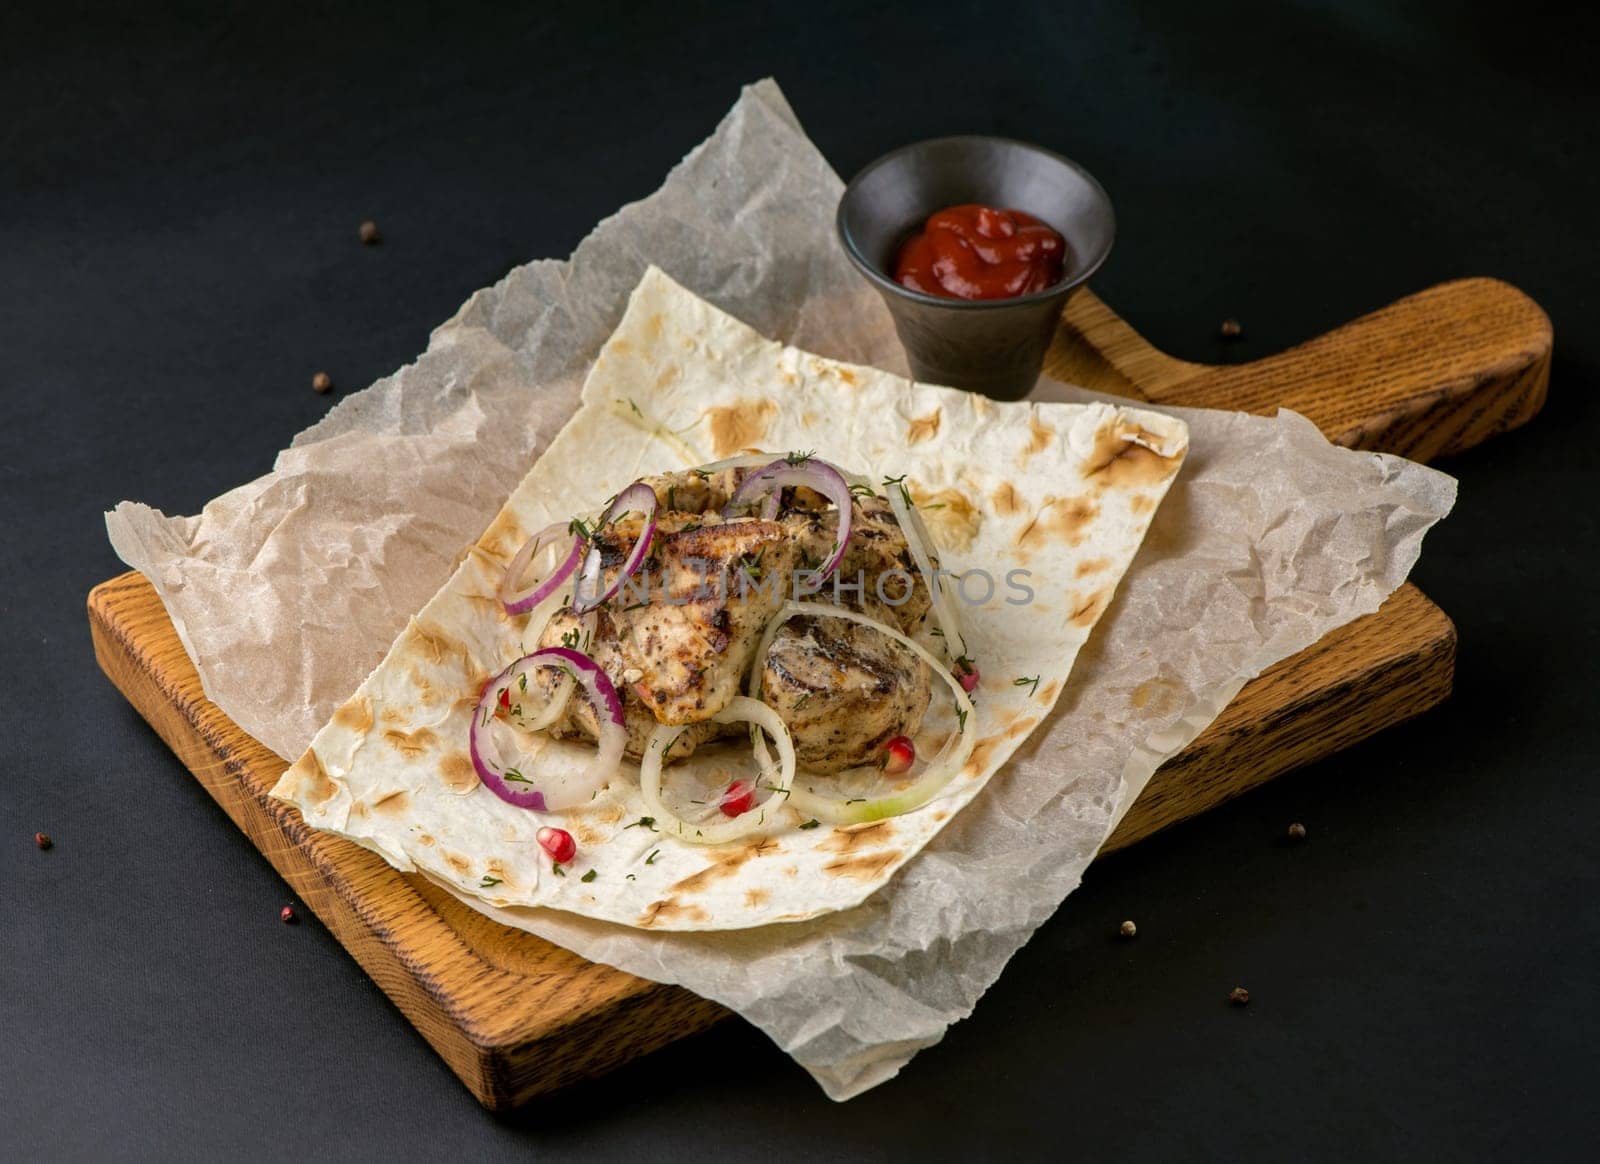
column 288, row 590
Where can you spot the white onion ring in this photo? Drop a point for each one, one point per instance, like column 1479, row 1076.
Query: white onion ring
column 742, row 461
column 941, row 769
column 739, row 710
column 608, row 710
column 944, row 609
column 636, row 497
column 818, row 476
column 519, row 603
column 556, row 706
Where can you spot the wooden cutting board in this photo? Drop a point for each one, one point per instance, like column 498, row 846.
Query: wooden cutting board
column 515, row 1016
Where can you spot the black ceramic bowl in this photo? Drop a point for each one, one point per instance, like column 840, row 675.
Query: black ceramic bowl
column 993, row 346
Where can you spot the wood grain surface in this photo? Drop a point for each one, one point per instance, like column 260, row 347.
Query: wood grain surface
column 1433, row 374
column 514, row 1016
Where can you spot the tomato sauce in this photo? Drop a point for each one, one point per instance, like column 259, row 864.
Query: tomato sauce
column 980, row 252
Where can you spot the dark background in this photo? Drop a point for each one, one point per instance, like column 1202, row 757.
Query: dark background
column 179, row 192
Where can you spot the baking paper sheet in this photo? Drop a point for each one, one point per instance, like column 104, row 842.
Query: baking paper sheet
column 288, row 590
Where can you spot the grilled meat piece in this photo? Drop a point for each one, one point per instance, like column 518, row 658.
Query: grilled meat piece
column 712, row 591
column 843, row 689
column 877, row 551
column 679, row 637
column 689, row 491
column 604, row 647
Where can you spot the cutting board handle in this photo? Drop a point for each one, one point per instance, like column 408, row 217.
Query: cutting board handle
column 1432, row 374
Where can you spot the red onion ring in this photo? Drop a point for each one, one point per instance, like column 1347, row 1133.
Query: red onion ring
column 818, row 476
column 492, row 769
column 637, row 496
column 521, row 604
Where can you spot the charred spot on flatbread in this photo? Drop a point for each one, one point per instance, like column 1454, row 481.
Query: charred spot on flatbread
column 739, row 425
column 1122, row 457
column 670, row 909
column 1039, row 437
column 413, row 743
column 427, row 692
column 355, row 714
column 314, row 786
column 763, row 847
column 458, row 772
column 1007, row 501
column 432, row 644
column 982, row 752
column 1021, row 727
column 1086, row 609
column 866, row 867
column 952, row 520
column 724, row 863
column 393, row 804
column 504, row 537
column 1064, row 519
column 849, row 838
column 924, row 428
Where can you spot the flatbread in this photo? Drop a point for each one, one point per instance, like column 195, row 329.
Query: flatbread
column 1063, row 491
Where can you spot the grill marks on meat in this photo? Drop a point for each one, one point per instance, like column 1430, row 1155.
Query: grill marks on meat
column 843, row 689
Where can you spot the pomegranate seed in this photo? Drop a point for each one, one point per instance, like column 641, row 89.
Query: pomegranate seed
column 898, row 755
column 505, row 699
column 966, row 672
column 738, row 799
column 286, row 915
column 558, row 843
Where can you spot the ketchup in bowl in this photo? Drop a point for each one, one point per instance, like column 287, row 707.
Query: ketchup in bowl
column 980, row 252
